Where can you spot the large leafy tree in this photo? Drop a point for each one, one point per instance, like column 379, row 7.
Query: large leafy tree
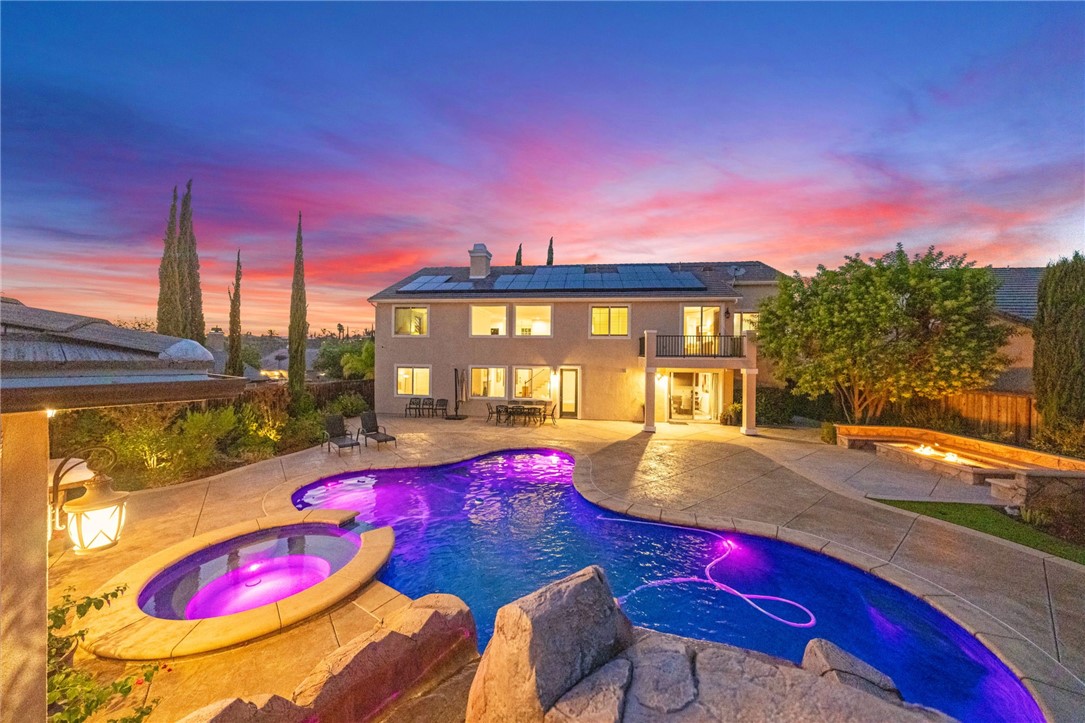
column 235, row 366
column 885, row 330
column 1059, row 335
column 299, row 327
column 359, row 363
column 169, row 318
column 190, row 294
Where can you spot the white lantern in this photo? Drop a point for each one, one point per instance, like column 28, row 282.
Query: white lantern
column 95, row 519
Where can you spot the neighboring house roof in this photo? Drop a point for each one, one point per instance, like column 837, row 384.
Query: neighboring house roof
column 50, row 359
column 279, row 359
column 251, row 374
column 1017, row 291
column 714, row 279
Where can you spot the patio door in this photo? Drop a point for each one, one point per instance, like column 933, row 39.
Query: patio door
column 570, row 391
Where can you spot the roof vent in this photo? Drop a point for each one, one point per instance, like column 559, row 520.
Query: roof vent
column 480, row 261
column 187, row 350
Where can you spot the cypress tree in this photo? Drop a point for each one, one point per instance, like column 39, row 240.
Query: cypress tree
column 169, row 312
column 550, row 253
column 520, row 255
column 1058, row 368
column 234, row 366
column 299, row 328
column 191, row 297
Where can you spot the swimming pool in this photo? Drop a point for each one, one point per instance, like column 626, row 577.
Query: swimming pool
column 496, row 527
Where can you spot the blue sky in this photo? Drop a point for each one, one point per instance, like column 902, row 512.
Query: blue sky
column 791, row 133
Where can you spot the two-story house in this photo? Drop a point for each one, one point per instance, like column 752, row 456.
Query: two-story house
column 638, row 342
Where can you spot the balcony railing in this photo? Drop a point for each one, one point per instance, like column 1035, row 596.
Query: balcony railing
column 697, row 346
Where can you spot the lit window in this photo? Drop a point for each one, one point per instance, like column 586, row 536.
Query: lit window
column 412, row 381
column 610, row 321
column 532, row 321
column 745, row 322
column 488, row 321
column 531, row 383
column 701, row 321
column 488, row 382
column 412, row 321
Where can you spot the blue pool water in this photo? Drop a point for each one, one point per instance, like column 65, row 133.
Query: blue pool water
column 499, row 526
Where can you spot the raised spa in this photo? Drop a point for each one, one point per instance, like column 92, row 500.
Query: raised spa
column 248, row 572
column 499, row 526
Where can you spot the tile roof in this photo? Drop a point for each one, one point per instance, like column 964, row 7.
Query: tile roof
column 714, row 279
column 1016, row 294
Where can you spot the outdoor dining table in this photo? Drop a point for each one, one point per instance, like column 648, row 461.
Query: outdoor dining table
column 524, row 412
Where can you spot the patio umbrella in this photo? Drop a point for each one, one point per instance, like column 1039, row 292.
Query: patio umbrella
column 459, row 379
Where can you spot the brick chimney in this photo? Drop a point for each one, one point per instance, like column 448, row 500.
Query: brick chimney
column 480, row 261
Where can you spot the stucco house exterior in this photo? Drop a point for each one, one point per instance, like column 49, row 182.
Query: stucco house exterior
column 1015, row 301
column 637, row 342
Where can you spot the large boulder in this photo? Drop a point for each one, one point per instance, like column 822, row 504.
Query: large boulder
column 828, row 660
column 544, row 644
column 360, row 678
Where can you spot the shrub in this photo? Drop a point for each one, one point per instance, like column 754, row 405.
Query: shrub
column 828, row 433
column 260, row 428
column 774, row 405
column 301, row 432
column 71, row 431
column 74, row 695
column 732, row 414
column 202, row 438
column 1061, row 438
column 142, row 436
column 349, row 405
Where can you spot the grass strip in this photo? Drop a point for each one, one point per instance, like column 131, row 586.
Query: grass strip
column 989, row 520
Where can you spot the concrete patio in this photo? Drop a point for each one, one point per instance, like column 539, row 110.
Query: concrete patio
column 1025, row 605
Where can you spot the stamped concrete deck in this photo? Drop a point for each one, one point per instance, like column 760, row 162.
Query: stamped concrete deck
column 1024, row 604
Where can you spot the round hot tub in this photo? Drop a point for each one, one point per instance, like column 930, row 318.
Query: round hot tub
column 248, row 572
column 235, row 584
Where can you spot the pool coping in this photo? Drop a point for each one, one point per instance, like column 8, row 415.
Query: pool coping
column 123, row 631
column 1033, row 666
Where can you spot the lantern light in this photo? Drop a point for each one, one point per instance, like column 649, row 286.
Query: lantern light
column 95, row 520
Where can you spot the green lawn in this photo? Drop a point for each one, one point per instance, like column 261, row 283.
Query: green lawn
column 989, row 520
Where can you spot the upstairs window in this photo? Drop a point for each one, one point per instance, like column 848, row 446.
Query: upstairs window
column 411, row 321
column 746, row 321
column 532, row 321
column 489, row 321
column 701, row 321
column 610, row 321
column 488, row 382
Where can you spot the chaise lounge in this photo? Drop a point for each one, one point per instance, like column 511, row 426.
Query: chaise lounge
column 371, row 430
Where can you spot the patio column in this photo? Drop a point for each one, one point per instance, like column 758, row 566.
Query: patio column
column 24, row 469
column 649, row 399
column 749, row 402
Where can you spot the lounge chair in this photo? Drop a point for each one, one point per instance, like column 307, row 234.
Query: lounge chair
column 413, row 408
column 427, row 407
column 335, row 432
column 371, row 430
column 440, row 407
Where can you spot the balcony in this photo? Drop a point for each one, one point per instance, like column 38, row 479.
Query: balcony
column 697, row 347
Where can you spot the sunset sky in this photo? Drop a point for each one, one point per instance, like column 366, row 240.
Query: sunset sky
column 405, row 133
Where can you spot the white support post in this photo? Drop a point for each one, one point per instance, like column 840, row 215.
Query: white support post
column 649, row 399
column 749, row 402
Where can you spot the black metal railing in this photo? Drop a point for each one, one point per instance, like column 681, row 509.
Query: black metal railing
column 699, row 346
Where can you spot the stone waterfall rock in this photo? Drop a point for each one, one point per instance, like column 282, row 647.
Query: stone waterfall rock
column 828, row 660
column 544, row 644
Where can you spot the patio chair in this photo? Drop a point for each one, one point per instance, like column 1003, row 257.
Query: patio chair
column 427, row 407
column 335, row 432
column 502, row 413
column 371, row 430
column 413, row 408
column 440, row 407
column 489, row 411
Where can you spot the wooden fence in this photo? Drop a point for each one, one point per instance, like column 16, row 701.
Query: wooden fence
column 1013, row 416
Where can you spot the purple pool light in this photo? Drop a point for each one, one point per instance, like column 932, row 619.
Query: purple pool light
column 248, row 571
